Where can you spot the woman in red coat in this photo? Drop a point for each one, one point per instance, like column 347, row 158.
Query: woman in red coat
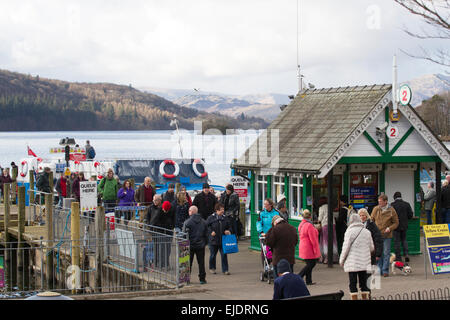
column 308, row 248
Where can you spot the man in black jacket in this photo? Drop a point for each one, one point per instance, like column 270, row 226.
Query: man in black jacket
column 230, row 201
column 205, row 202
column 196, row 227
column 218, row 225
column 404, row 213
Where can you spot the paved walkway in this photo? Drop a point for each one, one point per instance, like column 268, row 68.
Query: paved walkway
column 244, row 282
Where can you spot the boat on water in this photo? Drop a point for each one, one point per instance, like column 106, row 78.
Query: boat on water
column 190, row 173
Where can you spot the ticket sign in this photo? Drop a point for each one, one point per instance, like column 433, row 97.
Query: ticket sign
column 240, row 187
column 438, row 247
column 88, row 196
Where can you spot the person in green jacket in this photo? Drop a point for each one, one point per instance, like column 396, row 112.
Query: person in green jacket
column 108, row 189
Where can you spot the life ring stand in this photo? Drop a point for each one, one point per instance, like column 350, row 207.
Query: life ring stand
column 194, row 167
column 163, row 172
column 99, row 167
column 78, row 165
column 23, row 171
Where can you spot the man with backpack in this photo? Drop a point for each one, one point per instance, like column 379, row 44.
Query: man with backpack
column 90, row 151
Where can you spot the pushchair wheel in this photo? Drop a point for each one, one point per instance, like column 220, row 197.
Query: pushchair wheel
column 261, row 276
column 269, row 278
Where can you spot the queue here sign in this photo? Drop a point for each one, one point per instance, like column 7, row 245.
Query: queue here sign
column 240, row 186
column 438, row 247
column 88, row 196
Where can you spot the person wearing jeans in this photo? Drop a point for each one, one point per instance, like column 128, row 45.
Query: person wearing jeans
column 217, row 225
column 197, row 231
column 404, row 213
column 386, row 219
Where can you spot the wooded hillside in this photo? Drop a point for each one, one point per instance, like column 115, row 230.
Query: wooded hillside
column 31, row 103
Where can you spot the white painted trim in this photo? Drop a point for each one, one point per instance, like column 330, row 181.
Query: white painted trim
column 363, row 125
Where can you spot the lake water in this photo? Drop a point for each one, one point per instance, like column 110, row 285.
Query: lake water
column 217, row 150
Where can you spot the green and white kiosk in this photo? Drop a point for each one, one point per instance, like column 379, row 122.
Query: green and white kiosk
column 349, row 141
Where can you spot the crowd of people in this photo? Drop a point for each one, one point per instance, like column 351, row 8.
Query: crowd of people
column 205, row 218
column 362, row 243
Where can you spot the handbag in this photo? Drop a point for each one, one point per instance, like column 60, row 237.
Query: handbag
column 229, row 244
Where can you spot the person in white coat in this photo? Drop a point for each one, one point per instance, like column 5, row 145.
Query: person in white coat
column 356, row 256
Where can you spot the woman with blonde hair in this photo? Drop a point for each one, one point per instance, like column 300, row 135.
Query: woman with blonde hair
column 181, row 210
column 355, row 256
column 375, row 232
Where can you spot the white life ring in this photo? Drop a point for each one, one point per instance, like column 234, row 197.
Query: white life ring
column 194, row 167
column 23, row 168
column 163, row 172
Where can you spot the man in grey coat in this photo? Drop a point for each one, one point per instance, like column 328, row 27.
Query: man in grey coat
column 429, row 200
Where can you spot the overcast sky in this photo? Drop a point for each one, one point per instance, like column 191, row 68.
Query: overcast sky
column 228, row 46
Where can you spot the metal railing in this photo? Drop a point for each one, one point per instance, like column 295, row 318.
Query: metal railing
column 129, row 256
column 121, row 263
column 431, row 294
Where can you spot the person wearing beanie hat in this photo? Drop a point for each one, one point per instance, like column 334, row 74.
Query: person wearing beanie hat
column 166, row 206
column 282, row 238
column 169, row 195
column 404, row 213
column 205, row 201
column 230, row 200
column 288, row 284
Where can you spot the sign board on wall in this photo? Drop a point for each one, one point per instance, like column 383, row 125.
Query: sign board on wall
column 88, row 196
column 240, row 186
column 438, row 247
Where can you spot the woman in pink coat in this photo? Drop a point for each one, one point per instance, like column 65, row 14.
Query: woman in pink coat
column 308, row 248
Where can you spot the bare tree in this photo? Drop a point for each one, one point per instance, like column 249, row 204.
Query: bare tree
column 436, row 14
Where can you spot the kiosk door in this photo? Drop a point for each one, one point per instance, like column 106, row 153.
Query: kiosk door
column 403, row 181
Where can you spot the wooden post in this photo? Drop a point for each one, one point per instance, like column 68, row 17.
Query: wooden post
column 50, row 181
column 99, row 234
column 6, row 188
column 7, row 245
column 49, row 228
column 75, row 238
column 21, row 231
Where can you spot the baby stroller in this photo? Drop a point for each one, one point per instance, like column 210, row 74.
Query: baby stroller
column 266, row 256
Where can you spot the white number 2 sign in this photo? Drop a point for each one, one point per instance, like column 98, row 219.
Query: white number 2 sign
column 405, row 95
column 392, row 132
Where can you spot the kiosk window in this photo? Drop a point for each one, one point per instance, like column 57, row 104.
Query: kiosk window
column 261, row 186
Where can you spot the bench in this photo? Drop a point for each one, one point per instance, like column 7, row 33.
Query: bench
column 326, row 296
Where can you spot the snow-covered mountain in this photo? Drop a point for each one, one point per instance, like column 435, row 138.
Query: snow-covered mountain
column 426, row 86
column 267, row 105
